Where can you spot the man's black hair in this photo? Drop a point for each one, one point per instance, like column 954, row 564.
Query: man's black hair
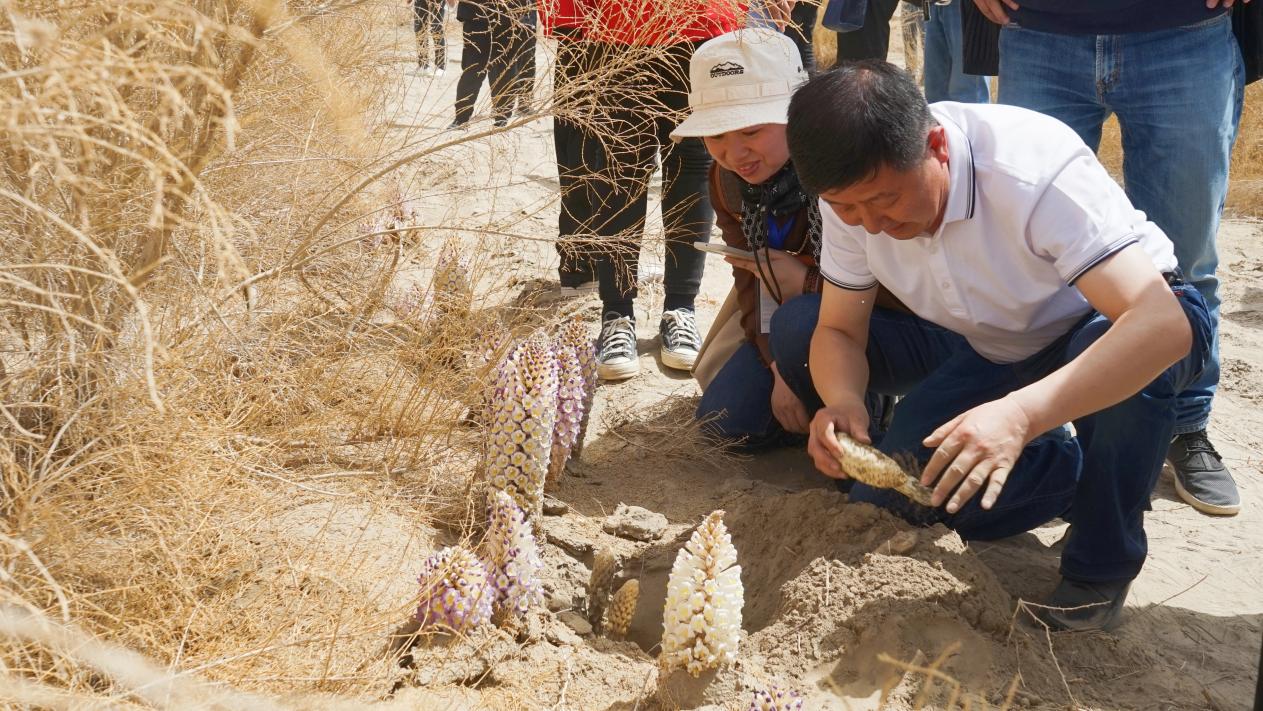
column 846, row 123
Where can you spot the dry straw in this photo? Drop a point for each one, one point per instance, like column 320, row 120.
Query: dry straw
column 209, row 213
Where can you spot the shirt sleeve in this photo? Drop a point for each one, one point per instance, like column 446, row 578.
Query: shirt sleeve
column 1082, row 218
column 843, row 253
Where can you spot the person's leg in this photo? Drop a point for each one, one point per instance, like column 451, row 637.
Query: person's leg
column 505, row 44
column 420, row 18
column 621, row 171
column 902, row 350
column 1040, row 486
column 475, row 53
column 937, row 67
column 1054, row 75
column 961, row 87
column 872, row 41
column 801, row 26
column 687, row 214
column 572, row 218
column 1123, row 450
column 736, row 407
column 438, row 37
column 1178, row 97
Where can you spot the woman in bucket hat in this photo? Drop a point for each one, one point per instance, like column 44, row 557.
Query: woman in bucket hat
column 741, row 85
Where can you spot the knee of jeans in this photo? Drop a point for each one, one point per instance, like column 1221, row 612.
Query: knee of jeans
column 791, row 328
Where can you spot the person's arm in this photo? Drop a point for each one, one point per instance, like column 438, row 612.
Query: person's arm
column 839, row 370
column 1149, row 331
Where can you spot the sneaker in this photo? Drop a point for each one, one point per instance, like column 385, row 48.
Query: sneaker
column 680, row 342
column 419, row 70
column 458, row 125
column 438, row 72
column 1201, row 478
column 1079, row 607
column 616, row 350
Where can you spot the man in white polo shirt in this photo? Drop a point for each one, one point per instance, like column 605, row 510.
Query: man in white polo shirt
column 1039, row 296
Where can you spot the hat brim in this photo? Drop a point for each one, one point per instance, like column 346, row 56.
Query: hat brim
column 714, row 120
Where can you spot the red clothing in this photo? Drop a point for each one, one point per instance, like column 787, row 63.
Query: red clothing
column 659, row 22
column 562, row 13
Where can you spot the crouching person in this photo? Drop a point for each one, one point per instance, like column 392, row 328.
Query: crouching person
column 742, row 82
column 1039, row 296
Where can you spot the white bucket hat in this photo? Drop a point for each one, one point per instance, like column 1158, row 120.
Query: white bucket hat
column 741, row 79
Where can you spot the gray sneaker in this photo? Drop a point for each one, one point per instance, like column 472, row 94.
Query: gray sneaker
column 1201, row 478
column 680, row 340
column 616, row 350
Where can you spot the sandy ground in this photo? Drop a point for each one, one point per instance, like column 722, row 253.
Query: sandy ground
column 823, row 595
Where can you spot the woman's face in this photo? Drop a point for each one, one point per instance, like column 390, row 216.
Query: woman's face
column 754, row 153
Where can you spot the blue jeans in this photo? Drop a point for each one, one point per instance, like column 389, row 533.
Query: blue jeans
column 1178, row 96
column 1099, row 479
column 945, row 79
column 736, row 408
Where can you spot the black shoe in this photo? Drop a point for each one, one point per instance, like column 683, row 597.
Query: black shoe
column 1079, row 607
column 1201, row 478
column 458, row 125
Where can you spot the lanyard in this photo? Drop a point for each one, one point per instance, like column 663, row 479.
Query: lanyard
column 778, row 230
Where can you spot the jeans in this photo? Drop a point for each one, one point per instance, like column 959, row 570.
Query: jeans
column 736, row 408
column 945, row 79
column 1100, row 479
column 1178, row 95
column 643, row 99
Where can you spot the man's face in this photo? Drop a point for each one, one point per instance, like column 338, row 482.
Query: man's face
column 902, row 204
column 754, row 153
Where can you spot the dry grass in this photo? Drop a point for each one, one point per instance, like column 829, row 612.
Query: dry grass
column 232, row 407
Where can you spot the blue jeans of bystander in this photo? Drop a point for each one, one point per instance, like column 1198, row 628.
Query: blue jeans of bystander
column 1178, row 95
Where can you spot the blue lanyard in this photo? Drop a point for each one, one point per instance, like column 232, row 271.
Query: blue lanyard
column 778, row 230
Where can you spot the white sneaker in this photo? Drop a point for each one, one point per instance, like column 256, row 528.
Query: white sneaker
column 616, row 349
column 417, row 70
column 680, row 341
column 439, row 72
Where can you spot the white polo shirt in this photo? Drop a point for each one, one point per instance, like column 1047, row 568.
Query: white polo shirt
column 1029, row 211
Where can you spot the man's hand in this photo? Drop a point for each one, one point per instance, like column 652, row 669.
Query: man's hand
column 977, row 447
column 787, row 407
column 851, row 418
column 782, row 266
column 994, row 9
column 1212, row 4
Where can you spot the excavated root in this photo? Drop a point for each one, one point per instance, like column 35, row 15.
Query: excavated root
column 868, row 465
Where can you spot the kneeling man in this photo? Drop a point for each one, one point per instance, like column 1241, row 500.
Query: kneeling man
column 1039, row 295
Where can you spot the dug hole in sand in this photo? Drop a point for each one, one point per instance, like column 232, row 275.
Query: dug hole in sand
column 836, row 594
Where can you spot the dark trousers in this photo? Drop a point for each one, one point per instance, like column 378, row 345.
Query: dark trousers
column 1100, row 479
column 427, row 23
column 645, row 99
column 871, row 41
column 802, row 22
column 500, row 49
column 574, row 217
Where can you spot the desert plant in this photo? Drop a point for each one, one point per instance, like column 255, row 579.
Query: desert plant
column 455, row 593
column 512, row 559
column 702, row 620
column 524, row 413
column 776, row 699
column 622, row 609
